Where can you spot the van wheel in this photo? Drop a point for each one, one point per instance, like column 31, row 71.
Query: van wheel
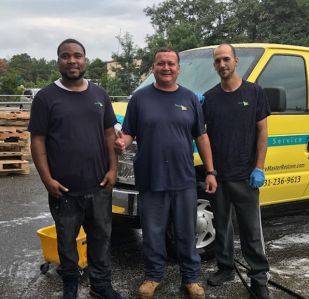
column 205, row 232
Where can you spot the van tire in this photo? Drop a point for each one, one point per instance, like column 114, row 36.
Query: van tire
column 205, row 232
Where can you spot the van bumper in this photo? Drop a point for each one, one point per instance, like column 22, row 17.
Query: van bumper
column 125, row 206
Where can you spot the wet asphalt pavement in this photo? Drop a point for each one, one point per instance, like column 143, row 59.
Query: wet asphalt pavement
column 24, row 209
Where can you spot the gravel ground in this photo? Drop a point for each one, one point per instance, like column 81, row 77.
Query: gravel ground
column 24, row 209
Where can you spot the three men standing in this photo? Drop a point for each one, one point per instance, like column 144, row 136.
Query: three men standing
column 73, row 149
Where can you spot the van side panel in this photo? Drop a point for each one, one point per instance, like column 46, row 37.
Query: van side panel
column 287, row 160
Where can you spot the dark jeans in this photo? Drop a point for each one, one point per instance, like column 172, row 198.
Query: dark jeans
column 246, row 203
column 156, row 208
column 94, row 213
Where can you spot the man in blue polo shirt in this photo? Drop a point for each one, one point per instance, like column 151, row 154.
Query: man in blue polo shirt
column 164, row 117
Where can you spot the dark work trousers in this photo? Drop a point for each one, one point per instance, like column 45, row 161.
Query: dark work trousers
column 156, row 208
column 246, row 204
column 94, row 212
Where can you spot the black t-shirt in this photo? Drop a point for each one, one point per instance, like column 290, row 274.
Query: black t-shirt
column 231, row 119
column 73, row 124
column 164, row 124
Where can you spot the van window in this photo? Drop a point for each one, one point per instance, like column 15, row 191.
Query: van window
column 287, row 72
column 198, row 74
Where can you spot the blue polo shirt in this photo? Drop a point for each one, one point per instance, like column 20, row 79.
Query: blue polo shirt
column 164, row 124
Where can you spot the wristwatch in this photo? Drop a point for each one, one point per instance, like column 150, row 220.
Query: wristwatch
column 213, row 172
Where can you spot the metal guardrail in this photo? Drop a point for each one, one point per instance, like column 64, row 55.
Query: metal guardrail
column 22, row 102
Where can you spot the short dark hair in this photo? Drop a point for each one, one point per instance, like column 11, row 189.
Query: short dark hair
column 229, row 45
column 166, row 49
column 70, row 41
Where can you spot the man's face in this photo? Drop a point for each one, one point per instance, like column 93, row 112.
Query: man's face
column 166, row 69
column 71, row 61
column 225, row 62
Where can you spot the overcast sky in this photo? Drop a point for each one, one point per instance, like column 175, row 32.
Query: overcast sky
column 36, row 27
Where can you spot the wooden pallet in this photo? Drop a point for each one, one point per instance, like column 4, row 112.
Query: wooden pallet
column 10, row 154
column 14, row 115
column 14, row 166
column 13, row 122
column 14, row 133
column 14, row 142
column 14, row 118
column 20, row 146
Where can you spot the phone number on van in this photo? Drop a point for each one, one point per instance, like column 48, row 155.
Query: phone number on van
column 282, row 181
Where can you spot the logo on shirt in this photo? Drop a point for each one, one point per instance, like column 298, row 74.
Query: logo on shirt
column 183, row 108
column 98, row 103
column 245, row 103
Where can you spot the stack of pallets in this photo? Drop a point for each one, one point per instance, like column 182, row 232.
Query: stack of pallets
column 14, row 142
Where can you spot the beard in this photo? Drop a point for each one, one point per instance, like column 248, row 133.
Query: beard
column 70, row 78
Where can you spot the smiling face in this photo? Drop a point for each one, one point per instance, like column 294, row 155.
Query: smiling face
column 166, row 69
column 225, row 62
column 71, row 62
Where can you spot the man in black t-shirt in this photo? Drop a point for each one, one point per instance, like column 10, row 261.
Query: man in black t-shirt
column 164, row 118
column 236, row 119
column 72, row 144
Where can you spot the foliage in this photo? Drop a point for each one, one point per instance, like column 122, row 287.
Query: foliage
column 127, row 71
column 184, row 24
column 113, row 86
column 9, row 82
column 22, row 70
column 3, row 66
column 95, row 69
column 179, row 24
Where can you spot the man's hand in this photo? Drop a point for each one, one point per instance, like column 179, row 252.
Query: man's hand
column 55, row 189
column 210, row 184
column 109, row 180
column 257, row 178
column 120, row 145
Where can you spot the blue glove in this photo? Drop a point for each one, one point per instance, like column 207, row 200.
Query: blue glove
column 200, row 97
column 257, row 178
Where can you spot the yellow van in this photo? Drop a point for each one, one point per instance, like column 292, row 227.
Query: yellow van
column 282, row 70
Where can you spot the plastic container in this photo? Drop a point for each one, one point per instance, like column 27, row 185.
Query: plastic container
column 48, row 238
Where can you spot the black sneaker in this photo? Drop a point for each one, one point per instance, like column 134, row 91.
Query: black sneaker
column 70, row 288
column 104, row 293
column 221, row 276
column 261, row 292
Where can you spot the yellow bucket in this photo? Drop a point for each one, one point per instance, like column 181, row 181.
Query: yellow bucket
column 48, row 238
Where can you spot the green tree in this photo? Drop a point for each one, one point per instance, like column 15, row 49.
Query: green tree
column 285, row 21
column 96, row 69
column 186, row 24
column 104, row 77
column 113, row 87
column 32, row 72
column 146, row 54
column 182, row 24
column 23, row 65
column 128, row 70
column 239, row 23
column 3, row 66
column 8, row 84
